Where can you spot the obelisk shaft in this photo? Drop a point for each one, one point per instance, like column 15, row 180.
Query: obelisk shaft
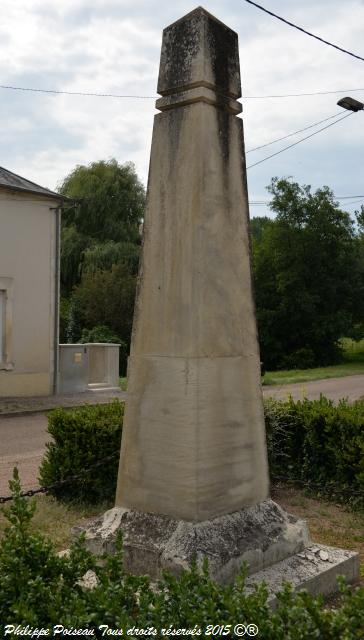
column 193, row 443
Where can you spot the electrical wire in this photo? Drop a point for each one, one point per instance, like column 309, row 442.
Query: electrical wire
column 301, row 140
column 347, row 197
column 353, row 198
column 136, row 97
column 354, row 202
column 76, row 93
column 308, row 33
column 299, row 95
column 289, row 135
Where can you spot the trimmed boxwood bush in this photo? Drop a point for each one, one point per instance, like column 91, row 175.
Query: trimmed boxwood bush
column 80, row 438
column 316, row 442
column 310, row 442
column 40, row 589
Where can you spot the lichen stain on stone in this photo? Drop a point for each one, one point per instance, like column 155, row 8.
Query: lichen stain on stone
column 222, row 53
column 181, row 46
column 224, row 120
column 175, row 120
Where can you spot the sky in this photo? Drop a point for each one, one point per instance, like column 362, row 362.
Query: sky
column 113, row 46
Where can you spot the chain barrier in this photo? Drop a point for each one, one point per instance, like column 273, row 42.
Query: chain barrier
column 276, row 479
column 32, row 492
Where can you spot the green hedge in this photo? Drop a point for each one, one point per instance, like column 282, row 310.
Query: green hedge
column 313, row 443
column 40, row 589
column 318, row 444
column 80, row 438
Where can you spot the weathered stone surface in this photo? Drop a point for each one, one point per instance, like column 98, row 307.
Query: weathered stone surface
column 193, row 441
column 89, row 580
column 259, row 536
column 193, row 475
column 316, row 570
column 199, row 50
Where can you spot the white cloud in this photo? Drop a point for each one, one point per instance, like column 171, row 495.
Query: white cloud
column 112, row 46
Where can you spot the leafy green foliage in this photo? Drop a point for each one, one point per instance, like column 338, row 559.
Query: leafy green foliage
column 102, row 333
column 39, row 588
column 318, row 443
column 35, row 583
column 309, row 279
column 73, row 245
column 64, row 318
column 110, row 201
column 81, row 438
column 105, row 298
column 100, row 249
column 102, row 257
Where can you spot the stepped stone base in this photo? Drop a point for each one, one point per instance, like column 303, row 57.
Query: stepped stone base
column 259, row 536
column 273, row 544
column 315, row 569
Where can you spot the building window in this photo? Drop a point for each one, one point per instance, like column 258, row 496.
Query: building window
column 6, row 299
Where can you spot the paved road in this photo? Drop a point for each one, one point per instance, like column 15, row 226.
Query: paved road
column 351, row 387
column 23, row 438
column 22, row 443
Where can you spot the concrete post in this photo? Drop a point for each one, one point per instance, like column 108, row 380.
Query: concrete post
column 193, row 439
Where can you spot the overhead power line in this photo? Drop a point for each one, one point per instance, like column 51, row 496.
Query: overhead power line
column 352, row 200
column 76, row 93
column 299, row 95
column 308, row 33
column 299, row 141
column 137, row 97
column 289, row 135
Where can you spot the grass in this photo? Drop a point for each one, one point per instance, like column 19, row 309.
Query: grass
column 353, row 364
column 328, row 523
column 55, row 519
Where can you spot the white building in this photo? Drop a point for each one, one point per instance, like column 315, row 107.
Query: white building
column 29, row 286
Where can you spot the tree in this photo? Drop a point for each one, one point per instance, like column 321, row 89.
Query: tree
column 101, row 226
column 100, row 248
column 258, row 226
column 104, row 298
column 306, row 276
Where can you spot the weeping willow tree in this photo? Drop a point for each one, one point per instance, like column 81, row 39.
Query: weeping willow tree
column 101, row 225
column 100, row 248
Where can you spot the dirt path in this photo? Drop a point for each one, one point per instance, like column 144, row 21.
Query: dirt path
column 351, row 387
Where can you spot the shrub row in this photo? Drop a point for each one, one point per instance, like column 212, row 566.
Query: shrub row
column 318, row 444
column 81, row 441
column 40, row 589
column 311, row 442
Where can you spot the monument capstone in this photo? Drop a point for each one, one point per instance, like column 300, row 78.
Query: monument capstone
column 193, row 476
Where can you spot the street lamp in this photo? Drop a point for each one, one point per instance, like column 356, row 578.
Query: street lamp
column 351, row 104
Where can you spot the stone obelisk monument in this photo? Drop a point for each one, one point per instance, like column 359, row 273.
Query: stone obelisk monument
column 193, row 438
column 193, row 478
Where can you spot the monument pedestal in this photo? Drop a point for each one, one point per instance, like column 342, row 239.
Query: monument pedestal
column 272, row 544
column 257, row 536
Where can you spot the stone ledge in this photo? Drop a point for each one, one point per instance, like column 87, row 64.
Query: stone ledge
column 315, row 569
column 199, row 94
